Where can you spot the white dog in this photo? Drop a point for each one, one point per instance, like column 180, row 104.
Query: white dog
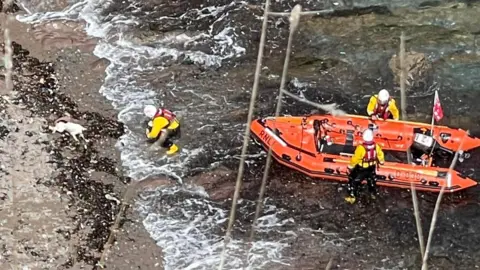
column 73, row 129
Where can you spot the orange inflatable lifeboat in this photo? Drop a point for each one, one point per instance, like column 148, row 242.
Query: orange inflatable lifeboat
column 321, row 146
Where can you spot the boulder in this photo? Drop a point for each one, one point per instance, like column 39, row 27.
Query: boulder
column 417, row 66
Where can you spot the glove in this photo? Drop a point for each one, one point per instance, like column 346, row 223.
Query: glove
column 374, row 117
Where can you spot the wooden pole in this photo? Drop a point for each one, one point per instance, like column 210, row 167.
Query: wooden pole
column 8, row 64
column 294, row 19
column 128, row 195
column 403, row 101
column 246, row 137
column 437, row 205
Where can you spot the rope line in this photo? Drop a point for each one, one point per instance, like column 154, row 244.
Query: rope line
column 294, row 19
column 331, row 108
column 424, row 252
column 247, row 134
column 403, row 102
column 8, row 63
column 437, row 205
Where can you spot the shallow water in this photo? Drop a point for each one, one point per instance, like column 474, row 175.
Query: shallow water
column 194, row 58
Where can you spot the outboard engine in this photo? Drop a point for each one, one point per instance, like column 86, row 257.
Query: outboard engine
column 423, row 143
column 422, row 147
column 426, row 144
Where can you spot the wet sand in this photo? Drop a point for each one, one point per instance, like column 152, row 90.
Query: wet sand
column 65, row 197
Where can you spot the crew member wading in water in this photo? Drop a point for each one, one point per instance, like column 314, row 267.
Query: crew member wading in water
column 163, row 126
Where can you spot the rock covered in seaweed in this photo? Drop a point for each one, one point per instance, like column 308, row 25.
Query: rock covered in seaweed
column 36, row 89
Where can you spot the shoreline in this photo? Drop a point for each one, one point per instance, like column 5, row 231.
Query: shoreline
column 49, row 83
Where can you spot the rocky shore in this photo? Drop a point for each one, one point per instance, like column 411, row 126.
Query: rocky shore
column 60, row 199
column 341, row 57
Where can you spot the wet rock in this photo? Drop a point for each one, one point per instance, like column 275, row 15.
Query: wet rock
column 61, row 34
column 46, row 5
column 100, row 126
column 211, row 177
column 416, row 65
column 454, row 16
column 98, row 210
column 3, row 132
column 100, row 64
column 217, row 183
column 103, row 177
column 52, row 103
column 222, row 192
column 155, row 181
column 357, row 11
column 95, row 212
column 354, row 52
column 12, row 8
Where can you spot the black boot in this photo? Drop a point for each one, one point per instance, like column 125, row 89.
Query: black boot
column 372, row 187
column 352, row 190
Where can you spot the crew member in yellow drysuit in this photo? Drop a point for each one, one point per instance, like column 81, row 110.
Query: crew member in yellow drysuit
column 382, row 106
column 162, row 120
column 363, row 166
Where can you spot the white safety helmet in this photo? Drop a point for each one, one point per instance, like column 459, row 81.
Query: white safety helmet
column 383, row 96
column 150, row 111
column 368, row 135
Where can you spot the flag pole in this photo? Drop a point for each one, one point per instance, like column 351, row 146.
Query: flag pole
column 433, row 112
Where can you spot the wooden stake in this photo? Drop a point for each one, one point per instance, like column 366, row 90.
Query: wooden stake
column 413, row 190
column 128, row 195
column 246, row 137
column 437, row 206
column 294, row 19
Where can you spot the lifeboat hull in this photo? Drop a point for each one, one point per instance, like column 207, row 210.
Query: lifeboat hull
column 293, row 142
column 390, row 134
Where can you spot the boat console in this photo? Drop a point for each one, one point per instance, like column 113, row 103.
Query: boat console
column 426, row 146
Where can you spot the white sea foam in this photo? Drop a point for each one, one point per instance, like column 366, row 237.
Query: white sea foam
column 188, row 230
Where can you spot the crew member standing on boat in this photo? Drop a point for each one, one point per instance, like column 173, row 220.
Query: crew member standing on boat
column 382, row 106
column 363, row 166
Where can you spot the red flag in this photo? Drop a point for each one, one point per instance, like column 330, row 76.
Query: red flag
column 437, row 108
